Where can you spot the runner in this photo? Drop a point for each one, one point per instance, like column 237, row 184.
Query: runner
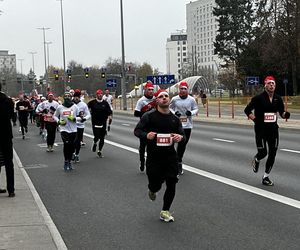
column 184, row 106
column 266, row 106
column 144, row 104
column 100, row 112
column 109, row 98
column 84, row 114
column 160, row 129
column 23, row 107
column 47, row 108
column 66, row 115
column 40, row 122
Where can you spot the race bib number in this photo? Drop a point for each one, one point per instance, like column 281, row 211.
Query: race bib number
column 48, row 118
column 67, row 112
column 163, row 140
column 183, row 120
column 21, row 107
column 270, row 117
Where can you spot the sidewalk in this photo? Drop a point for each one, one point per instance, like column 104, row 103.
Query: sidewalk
column 24, row 221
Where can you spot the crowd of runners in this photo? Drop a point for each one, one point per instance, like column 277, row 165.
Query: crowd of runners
column 164, row 129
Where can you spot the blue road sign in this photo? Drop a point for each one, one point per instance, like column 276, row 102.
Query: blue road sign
column 111, row 83
column 162, row 79
column 252, row 80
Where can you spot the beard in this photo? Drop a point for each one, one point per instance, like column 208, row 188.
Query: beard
column 163, row 105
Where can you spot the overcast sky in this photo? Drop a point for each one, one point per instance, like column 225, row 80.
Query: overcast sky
column 92, row 30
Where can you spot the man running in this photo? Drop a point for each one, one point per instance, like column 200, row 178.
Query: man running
column 144, row 104
column 109, row 98
column 23, row 107
column 47, row 108
column 184, row 106
column 266, row 106
column 159, row 128
column 66, row 115
column 100, row 112
column 84, row 114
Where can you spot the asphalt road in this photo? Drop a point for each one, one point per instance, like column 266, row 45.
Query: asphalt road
column 220, row 203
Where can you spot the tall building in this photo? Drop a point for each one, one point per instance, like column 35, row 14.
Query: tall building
column 176, row 53
column 7, row 62
column 202, row 28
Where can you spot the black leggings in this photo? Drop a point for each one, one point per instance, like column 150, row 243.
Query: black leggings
column 51, row 132
column 68, row 139
column 142, row 150
column 182, row 145
column 99, row 134
column 23, row 122
column 155, row 184
column 263, row 139
column 6, row 149
column 78, row 140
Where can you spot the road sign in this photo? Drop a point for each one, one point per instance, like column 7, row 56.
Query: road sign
column 111, row 83
column 162, row 79
column 285, row 81
column 252, row 80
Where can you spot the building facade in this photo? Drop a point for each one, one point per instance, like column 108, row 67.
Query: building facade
column 176, row 53
column 7, row 62
column 202, row 28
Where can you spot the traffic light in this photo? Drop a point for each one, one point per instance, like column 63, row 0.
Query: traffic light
column 56, row 76
column 102, row 74
column 86, row 72
column 69, row 75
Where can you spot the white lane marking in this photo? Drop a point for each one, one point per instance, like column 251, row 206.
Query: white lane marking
column 290, row 150
column 223, row 140
column 269, row 195
column 58, row 240
column 126, row 124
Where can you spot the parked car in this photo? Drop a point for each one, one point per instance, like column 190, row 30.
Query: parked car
column 128, row 95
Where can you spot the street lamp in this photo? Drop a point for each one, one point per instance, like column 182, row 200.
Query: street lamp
column 22, row 84
column 45, row 57
column 123, row 76
column 32, row 54
column 63, row 42
column 48, row 54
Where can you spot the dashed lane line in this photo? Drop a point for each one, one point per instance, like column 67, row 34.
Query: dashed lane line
column 267, row 194
column 223, row 140
column 290, row 150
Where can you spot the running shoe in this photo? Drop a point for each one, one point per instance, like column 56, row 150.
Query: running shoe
column 82, row 144
column 76, row 158
column 71, row 167
column 166, row 216
column 26, row 130
column 266, row 181
column 99, row 153
column 180, row 170
column 94, row 147
column 48, row 149
column 66, row 166
column 152, row 196
column 255, row 165
column 73, row 157
column 23, row 137
column 11, row 195
column 51, row 148
column 2, row 191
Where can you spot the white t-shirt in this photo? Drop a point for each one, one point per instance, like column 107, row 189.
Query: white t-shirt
column 109, row 100
column 62, row 113
column 84, row 112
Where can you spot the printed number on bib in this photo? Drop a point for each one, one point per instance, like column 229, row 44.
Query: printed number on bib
column 67, row 112
column 270, row 117
column 163, row 140
column 183, row 120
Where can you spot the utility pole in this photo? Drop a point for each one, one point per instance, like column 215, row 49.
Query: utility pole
column 45, row 57
column 123, row 77
column 63, row 41
column 22, row 83
column 32, row 54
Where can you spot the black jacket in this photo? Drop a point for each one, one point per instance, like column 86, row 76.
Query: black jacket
column 6, row 114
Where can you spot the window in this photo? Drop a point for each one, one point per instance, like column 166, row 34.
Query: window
column 184, row 59
column 183, row 42
column 183, row 48
column 178, row 48
column 178, row 66
column 178, row 60
column 184, row 53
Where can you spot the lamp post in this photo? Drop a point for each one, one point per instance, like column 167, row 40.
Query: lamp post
column 45, row 57
column 123, row 76
column 63, row 41
column 32, row 54
column 22, row 84
column 48, row 54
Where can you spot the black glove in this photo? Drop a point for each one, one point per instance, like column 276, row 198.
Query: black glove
column 287, row 115
column 188, row 113
column 52, row 109
column 45, row 111
column 83, row 119
column 177, row 113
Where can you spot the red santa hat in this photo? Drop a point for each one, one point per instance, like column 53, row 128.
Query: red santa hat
column 149, row 84
column 183, row 85
column 50, row 93
column 269, row 79
column 160, row 92
column 99, row 92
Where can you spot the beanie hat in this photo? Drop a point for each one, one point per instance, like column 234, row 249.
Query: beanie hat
column 269, row 79
column 99, row 92
column 50, row 93
column 160, row 92
column 77, row 94
column 183, row 85
column 149, row 84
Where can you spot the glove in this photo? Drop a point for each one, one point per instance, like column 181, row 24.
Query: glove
column 83, row 119
column 287, row 115
column 45, row 111
column 62, row 122
column 188, row 113
column 177, row 113
column 52, row 109
column 71, row 118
